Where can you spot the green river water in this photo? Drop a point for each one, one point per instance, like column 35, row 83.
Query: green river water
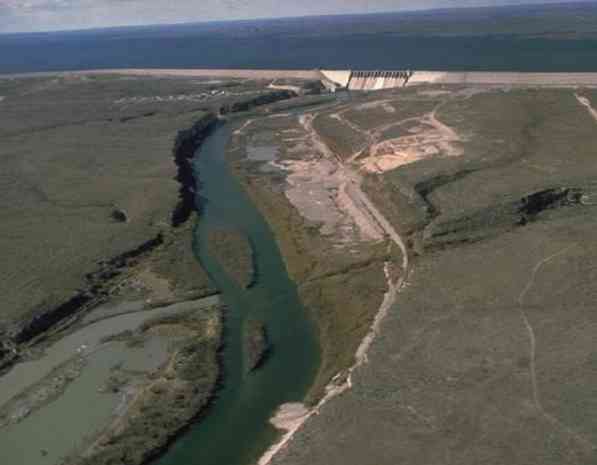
column 235, row 430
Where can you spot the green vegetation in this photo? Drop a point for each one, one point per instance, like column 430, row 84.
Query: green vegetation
column 233, row 251
column 69, row 159
column 305, row 101
column 170, row 398
column 88, row 175
column 515, row 144
column 256, row 345
column 488, row 355
column 339, row 136
column 92, row 181
column 341, row 291
column 175, row 263
column 373, row 115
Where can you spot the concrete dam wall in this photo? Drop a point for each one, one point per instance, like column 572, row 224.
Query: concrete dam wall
column 335, row 78
column 377, row 80
column 365, row 80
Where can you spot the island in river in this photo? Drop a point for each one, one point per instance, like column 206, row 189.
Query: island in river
column 418, row 258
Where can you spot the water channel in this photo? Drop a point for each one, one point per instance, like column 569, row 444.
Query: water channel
column 235, row 430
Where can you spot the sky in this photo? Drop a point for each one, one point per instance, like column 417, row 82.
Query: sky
column 46, row 15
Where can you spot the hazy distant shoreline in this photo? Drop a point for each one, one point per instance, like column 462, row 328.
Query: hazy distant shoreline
column 182, row 72
column 554, row 79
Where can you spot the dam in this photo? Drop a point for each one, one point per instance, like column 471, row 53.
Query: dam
column 378, row 80
column 365, row 80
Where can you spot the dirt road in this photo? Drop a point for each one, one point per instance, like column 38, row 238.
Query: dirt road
column 584, row 101
column 292, row 417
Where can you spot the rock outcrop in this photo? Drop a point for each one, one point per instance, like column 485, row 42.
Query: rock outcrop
column 186, row 144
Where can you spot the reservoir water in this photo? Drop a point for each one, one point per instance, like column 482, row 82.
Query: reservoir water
column 191, row 49
column 435, row 40
column 235, row 430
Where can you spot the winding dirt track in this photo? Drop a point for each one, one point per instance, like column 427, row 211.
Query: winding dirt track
column 434, row 138
column 585, row 102
column 292, row 417
column 533, row 351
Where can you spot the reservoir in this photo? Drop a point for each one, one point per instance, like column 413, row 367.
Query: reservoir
column 184, row 48
column 235, row 430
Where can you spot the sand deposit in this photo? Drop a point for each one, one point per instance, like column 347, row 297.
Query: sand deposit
column 323, row 192
column 430, row 138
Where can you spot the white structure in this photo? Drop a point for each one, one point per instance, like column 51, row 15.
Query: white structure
column 334, row 79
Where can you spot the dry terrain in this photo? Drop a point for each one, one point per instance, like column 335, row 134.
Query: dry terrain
column 441, row 238
column 487, row 354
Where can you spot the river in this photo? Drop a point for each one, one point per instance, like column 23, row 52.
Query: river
column 236, row 430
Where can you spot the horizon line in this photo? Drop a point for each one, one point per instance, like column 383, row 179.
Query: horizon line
column 278, row 18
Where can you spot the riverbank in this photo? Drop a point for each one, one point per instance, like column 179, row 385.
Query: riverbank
column 333, row 247
column 319, row 228
column 135, row 273
column 267, row 314
column 140, row 214
column 68, row 205
column 114, row 373
column 172, row 367
column 178, row 394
